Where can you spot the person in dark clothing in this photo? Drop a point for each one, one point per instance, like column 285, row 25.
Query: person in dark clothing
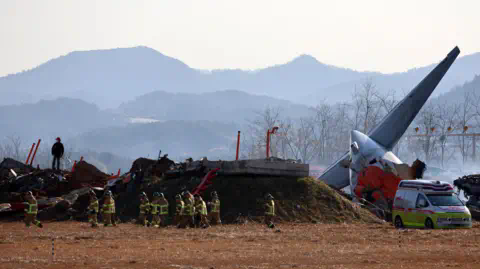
column 57, row 152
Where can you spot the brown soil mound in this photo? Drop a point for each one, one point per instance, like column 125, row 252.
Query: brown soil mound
column 152, row 167
column 297, row 199
column 86, row 173
column 142, row 163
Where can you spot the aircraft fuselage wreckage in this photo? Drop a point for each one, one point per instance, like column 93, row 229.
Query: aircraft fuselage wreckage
column 370, row 167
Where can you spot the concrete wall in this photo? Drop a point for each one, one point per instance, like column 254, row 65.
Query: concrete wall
column 262, row 167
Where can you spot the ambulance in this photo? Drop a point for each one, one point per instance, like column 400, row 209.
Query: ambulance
column 429, row 204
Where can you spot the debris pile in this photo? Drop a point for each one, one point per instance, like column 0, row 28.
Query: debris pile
column 63, row 195
column 60, row 194
column 470, row 185
column 85, row 174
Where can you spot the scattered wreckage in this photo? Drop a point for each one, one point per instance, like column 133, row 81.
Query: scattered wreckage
column 63, row 195
column 470, row 185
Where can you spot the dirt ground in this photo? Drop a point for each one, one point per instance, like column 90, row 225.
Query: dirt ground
column 237, row 246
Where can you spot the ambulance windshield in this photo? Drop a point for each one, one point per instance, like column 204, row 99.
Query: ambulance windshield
column 444, row 200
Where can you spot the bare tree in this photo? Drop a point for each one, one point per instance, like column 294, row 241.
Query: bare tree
column 16, row 143
column 445, row 117
column 323, row 122
column 426, row 121
column 466, row 115
column 366, row 105
column 257, row 130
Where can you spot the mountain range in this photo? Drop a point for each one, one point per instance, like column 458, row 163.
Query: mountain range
column 111, row 77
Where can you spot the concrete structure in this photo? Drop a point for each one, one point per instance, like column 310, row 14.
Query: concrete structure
column 262, row 167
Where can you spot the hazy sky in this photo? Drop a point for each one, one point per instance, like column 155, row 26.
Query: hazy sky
column 383, row 35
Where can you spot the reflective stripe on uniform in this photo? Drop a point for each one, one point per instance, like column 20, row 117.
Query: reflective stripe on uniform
column 32, row 208
column 216, row 206
column 270, row 208
column 94, row 206
column 163, row 209
column 202, row 208
column 109, row 208
column 144, row 208
column 155, row 208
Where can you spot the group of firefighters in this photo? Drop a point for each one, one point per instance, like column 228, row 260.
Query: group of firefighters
column 188, row 207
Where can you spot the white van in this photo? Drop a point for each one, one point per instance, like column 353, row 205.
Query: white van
column 429, row 204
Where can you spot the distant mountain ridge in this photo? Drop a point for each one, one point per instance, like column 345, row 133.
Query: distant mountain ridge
column 48, row 119
column 108, row 78
column 224, row 106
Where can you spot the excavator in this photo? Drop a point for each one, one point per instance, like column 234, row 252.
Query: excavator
column 370, row 168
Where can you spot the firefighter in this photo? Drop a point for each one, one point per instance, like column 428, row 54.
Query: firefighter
column 201, row 209
column 163, row 210
column 178, row 209
column 269, row 210
column 214, row 214
column 155, row 205
column 31, row 210
column 188, row 211
column 108, row 209
column 144, row 209
column 93, row 209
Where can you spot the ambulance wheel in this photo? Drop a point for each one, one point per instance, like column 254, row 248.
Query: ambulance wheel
column 398, row 222
column 429, row 223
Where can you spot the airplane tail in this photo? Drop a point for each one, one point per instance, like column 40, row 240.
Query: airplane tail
column 394, row 125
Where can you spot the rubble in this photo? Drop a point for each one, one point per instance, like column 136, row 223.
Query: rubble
column 86, row 174
column 63, row 195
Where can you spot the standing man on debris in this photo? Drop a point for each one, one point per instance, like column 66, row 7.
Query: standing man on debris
column 144, row 209
column 31, row 210
column 163, row 210
column 269, row 210
column 108, row 209
column 155, row 210
column 178, row 209
column 93, row 209
column 188, row 212
column 214, row 214
column 57, row 152
column 201, row 209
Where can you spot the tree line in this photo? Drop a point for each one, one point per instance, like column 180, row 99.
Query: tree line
column 324, row 135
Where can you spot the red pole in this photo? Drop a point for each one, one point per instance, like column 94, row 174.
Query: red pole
column 28, row 158
column 238, row 145
column 118, row 172
column 35, row 153
column 73, row 167
column 268, row 143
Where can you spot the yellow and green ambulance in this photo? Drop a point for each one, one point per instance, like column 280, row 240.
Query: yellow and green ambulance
column 429, row 204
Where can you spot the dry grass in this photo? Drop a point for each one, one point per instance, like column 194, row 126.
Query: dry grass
column 237, row 246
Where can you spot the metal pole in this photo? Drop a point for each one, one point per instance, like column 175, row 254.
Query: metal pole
column 474, row 142
column 268, row 143
column 73, row 167
column 28, row 158
column 35, row 153
column 53, row 249
column 238, row 146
